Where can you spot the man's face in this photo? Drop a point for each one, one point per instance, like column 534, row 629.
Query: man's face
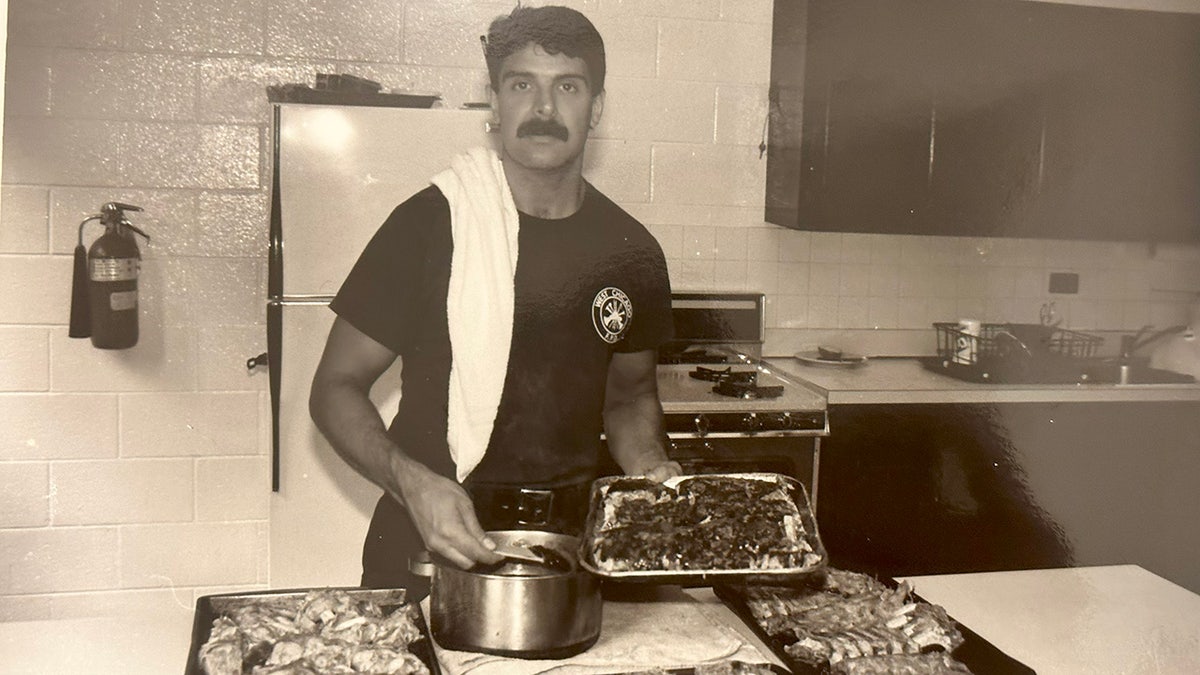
column 545, row 107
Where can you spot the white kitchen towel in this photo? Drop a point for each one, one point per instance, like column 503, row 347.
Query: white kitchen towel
column 634, row 637
column 479, row 304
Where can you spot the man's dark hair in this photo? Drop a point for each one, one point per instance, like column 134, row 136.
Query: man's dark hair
column 558, row 30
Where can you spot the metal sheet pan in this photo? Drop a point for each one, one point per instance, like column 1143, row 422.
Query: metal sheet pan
column 979, row 655
column 209, row 607
column 794, row 489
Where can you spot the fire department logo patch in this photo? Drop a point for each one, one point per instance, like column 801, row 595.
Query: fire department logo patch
column 611, row 313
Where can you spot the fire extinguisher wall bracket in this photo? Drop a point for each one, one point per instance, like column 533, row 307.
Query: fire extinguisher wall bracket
column 104, row 297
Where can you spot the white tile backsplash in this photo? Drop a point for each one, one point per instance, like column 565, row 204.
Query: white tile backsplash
column 116, row 491
column 24, row 359
column 653, row 110
column 687, row 51
column 24, row 501
column 187, row 424
column 233, row 488
column 24, row 219
column 191, row 554
column 58, row 426
column 46, row 560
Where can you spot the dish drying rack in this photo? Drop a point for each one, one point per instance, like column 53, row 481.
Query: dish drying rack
column 1012, row 353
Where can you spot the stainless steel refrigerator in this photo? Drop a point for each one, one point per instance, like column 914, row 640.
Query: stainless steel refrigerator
column 338, row 172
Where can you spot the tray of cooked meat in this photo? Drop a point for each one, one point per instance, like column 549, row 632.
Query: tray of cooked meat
column 695, row 530
column 847, row 623
column 310, row 631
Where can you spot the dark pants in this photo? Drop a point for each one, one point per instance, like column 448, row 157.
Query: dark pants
column 392, row 538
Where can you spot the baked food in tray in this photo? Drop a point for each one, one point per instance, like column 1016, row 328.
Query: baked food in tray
column 702, row 528
column 326, row 630
column 850, row 623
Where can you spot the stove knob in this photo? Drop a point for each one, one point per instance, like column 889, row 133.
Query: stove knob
column 701, row 425
column 750, row 422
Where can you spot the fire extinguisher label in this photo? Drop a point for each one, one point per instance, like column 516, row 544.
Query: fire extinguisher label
column 122, row 300
column 114, row 269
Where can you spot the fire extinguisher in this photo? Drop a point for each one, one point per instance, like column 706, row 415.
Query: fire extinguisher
column 104, row 295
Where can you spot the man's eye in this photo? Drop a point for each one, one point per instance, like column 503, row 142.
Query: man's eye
column 569, row 87
column 520, row 85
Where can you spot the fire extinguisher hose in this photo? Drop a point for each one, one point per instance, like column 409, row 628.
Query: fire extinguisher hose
column 81, row 315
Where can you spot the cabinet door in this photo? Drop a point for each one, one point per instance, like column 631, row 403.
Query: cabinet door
column 866, row 117
column 876, row 151
column 1122, row 154
column 988, row 117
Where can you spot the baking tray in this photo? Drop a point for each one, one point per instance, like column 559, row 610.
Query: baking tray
column 794, row 488
column 719, row 668
column 976, row 653
column 209, row 607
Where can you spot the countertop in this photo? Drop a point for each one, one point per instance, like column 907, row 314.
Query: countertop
column 1118, row 619
column 905, row 380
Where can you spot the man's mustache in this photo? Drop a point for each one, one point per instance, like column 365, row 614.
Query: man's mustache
column 537, row 127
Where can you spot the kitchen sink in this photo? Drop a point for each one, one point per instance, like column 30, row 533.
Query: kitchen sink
column 1109, row 372
column 1098, row 371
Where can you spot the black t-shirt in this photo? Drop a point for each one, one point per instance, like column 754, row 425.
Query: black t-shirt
column 586, row 286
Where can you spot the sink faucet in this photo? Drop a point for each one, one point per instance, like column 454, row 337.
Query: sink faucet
column 1132, row 343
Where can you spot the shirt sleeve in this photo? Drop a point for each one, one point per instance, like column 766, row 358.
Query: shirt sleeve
column 380, row 296
column 652, row 323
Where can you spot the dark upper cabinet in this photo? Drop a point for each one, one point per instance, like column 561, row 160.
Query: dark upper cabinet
column 985, row 118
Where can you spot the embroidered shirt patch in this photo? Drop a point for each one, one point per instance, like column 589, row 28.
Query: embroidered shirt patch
column 611, row 314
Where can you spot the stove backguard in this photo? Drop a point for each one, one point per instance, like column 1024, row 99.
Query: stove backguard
column 708, row 325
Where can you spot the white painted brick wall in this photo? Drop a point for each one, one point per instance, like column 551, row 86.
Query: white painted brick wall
column 161, row 103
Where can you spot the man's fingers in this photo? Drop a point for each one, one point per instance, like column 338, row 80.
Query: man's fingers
column 664, row 471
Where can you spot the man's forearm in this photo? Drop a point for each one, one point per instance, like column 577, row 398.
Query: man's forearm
column 350, row 422
column 636, row 438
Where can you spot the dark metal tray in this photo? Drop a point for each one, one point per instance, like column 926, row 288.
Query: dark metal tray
column 297, row 93
column 981, row 656
column 795, row 489
column 209, row 607
column 720, row 668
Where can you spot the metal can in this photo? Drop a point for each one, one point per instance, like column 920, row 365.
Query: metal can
column 966, row 342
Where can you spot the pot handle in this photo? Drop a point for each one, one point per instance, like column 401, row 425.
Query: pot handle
column 421, row 564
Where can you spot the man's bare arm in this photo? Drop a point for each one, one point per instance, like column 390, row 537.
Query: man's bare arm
column 341, row 407
column 633, row 420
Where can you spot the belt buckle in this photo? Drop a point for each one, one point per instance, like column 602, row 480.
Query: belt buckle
column 533, row 506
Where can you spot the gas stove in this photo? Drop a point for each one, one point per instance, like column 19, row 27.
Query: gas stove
column 713, row 382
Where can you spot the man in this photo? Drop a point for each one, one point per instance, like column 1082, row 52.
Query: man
column 590, row 303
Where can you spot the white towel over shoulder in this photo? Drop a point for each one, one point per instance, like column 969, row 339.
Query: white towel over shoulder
column 484, row 225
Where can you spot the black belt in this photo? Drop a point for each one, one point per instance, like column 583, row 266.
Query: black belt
column 514, row 507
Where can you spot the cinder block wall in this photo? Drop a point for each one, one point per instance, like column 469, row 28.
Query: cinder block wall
column 142, row 476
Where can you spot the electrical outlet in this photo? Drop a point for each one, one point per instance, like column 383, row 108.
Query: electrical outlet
column 1064, row 282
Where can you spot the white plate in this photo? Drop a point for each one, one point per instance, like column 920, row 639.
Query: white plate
column 814, row 358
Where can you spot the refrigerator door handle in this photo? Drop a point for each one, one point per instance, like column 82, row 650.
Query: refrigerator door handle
column 274, row 291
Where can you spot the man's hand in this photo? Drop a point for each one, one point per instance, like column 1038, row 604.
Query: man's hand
column 444, row 515
column 664, row 471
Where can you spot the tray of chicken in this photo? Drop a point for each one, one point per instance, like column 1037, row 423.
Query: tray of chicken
column 847, row 623
column 322, row 631
column 703, row 529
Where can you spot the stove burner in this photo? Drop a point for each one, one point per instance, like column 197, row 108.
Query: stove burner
column 747, row 389
column 736, row 383
column 724, row 374
column 694, row 356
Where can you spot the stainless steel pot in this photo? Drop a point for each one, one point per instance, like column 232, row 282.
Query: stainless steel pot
column 515, row 608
